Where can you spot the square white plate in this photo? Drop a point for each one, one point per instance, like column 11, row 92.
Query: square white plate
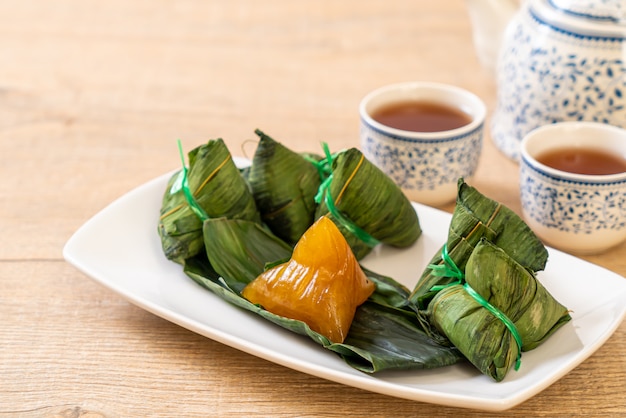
column 120, row 248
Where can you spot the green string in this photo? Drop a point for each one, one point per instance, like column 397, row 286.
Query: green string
column 450, row 269
column 324, row 166
column 321, row 166
column 447, row 269
column 182, row 183
column 502, row 317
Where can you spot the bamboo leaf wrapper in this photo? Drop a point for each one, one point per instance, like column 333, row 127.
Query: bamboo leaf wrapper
column 382, row 337
column 372, row 201
column 284, row 185
column 218, row 188
column 239, row 250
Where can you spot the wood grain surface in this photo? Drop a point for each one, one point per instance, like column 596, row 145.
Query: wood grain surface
column 94, row 94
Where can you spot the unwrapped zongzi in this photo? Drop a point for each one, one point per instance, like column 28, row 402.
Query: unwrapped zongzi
column 322, row 284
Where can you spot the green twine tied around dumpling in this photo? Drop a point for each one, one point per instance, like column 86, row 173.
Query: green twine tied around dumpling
column 447, row 269
column 182, row 183
column 325, row 169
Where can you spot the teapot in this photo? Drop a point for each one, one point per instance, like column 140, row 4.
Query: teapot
column 554, row 61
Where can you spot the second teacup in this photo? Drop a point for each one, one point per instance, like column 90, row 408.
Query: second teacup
column 573, row 185
column 425, row 136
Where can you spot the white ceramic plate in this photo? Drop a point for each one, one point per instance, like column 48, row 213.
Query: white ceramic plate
column 120, row 248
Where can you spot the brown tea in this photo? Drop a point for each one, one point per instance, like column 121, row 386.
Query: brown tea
column 583, row 161
column 421, row 116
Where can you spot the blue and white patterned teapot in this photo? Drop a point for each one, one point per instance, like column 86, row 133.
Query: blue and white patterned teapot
column 558, row 60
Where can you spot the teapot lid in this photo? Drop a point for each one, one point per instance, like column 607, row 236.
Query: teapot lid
column 610, row 11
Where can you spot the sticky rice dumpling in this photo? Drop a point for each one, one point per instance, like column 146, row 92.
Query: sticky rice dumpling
column 284, row 185
column 369, row 199
column 475, row 217
column 218, row 189
column 482, row 337
column 322, row 284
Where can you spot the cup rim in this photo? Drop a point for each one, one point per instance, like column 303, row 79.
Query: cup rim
column 476, row 102
column 532, row 162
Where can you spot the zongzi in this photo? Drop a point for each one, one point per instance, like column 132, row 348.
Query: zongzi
column 284, row 184
column 218, row 189
column 475, row 217
column 322, row 284
column 360, row 195
column 500, row 310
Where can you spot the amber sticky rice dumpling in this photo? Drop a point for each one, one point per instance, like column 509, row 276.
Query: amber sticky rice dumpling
column 322, row 284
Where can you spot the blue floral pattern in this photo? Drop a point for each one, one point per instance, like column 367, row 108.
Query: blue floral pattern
column 600, row 10
column 547, row 75
column 570, row 206
column 422, row 164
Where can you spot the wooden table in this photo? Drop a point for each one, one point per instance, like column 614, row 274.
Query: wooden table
column 93, row 96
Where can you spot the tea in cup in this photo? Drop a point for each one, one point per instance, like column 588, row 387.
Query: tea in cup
column 573, row 185
column 424, row 136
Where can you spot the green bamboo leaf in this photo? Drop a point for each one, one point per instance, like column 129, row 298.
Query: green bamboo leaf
column 515, row 291
column 382, row 337
column 284, row 184
column 386, row 338
column 239, row 250
column 513, row 235
column 388, row 291
column 474, row 331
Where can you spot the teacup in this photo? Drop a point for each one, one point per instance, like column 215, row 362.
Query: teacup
column 577, row 213
column 426, row 161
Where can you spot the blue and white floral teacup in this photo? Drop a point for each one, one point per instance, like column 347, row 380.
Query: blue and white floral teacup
column 577, row 213
column 426, row 165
